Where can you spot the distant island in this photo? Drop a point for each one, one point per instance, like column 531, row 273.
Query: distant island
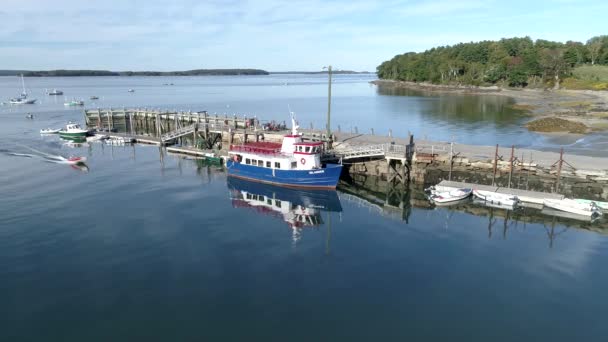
column 509, row 62
column 74, row 73
column 196, row 72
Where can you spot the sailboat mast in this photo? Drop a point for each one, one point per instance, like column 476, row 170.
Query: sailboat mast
column 23, row 93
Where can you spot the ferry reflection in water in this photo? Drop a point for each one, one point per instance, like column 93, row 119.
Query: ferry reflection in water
column 300, row 209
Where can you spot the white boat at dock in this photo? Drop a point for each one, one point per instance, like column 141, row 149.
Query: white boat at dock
column 450, row 196
column 497, row 198
column 97, row 137
column 50, row 131
column 478, row 201
column 572, row 206
column 602, row 205
column 568, row 215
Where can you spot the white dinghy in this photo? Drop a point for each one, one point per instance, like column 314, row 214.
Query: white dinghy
column 572, row 206
column 450, row 196
column 496, row 198
column 602, row 205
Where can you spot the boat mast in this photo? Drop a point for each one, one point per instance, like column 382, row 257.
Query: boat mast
column 23, row 93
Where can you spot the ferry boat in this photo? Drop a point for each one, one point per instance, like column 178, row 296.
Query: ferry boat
column 292, row 163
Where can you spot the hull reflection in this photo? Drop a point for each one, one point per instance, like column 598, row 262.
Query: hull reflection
column 298, row 208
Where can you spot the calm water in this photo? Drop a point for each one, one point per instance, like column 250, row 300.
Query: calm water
column 482, row 120
column 149, row 246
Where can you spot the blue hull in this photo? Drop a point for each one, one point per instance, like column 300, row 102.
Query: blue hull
column 324, row 178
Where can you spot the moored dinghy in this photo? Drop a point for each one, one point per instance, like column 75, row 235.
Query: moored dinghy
column 50, row 131
column 602, row 205
column 495, row 197
column 572, row 206
column 450, row 196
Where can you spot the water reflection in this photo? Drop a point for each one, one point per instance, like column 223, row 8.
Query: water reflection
column 460, row 108
column 299, row 209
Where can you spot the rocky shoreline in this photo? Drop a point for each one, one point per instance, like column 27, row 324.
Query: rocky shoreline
column 588, row 107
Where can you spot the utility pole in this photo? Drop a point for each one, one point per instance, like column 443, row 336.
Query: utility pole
column 329, row 140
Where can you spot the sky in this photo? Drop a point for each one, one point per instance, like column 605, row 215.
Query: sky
column 269, row 34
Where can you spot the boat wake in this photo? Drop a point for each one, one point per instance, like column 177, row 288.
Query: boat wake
column 47, row 157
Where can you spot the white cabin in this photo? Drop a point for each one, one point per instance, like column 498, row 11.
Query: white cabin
column 292, row 154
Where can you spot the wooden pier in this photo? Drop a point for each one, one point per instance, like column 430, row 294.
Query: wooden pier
column 395, row 159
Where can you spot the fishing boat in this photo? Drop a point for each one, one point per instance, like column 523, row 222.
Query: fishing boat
column 74, row 103
column 212, row 157
column 450, row 196
column 495, row 197
column 292, row 163
column 73, row 131
column 572, row 206
column 50, row 131
column 601, row 205
column 22, row 99
column 55, row 92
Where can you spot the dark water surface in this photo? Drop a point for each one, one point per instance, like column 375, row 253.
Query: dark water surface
column 144, row 247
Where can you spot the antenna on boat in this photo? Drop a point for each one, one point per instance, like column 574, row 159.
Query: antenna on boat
column 294, row 123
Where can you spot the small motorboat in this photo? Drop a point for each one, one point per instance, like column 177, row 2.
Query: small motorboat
column 494, row 205
column 568, row 215
column 450, row 196
column 439, row 188
column 29, row 116
column 76, row 160
column 73, row 131
column 94, row 97
column 97, row 137
column 55, row 92
column 495, row 197
column 50, row 131
column 572, row 206
column 131, row 90
column 74, row 103
column 601, row 205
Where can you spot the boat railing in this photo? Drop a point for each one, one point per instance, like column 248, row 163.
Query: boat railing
column 269, row 150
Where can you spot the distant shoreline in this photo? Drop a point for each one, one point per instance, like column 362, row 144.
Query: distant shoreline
column 197, row 72
column 95, row 73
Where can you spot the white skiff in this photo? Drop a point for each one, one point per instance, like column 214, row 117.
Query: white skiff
column 601, row 205
column 572, row 206
column 495, row 197
column 450, row 196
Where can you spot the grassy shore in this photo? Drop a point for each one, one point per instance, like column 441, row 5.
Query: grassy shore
column 588, row 107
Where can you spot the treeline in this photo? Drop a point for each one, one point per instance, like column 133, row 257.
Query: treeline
column 196, row 72
column 516, row 62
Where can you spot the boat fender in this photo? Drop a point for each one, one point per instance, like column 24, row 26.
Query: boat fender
column 303, row 161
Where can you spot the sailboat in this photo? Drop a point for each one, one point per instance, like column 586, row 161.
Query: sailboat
column 23, row 98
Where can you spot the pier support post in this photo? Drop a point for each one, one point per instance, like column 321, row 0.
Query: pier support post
column 511, row 165
column 560, row 163
column 495, row 165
